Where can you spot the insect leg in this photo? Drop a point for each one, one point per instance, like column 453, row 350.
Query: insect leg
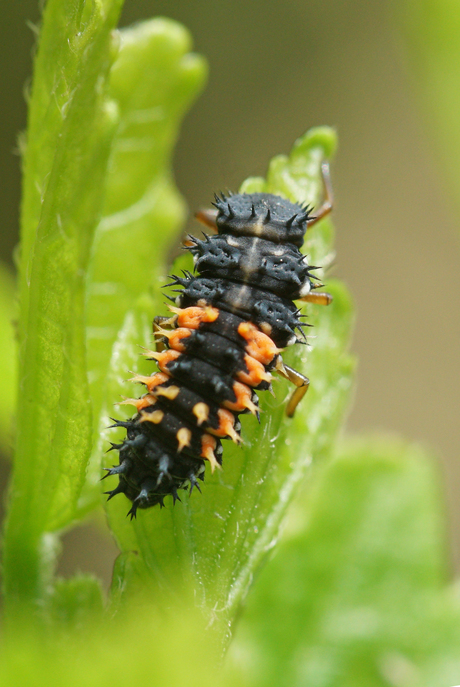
column 208, row 218
column 328, row 201
column 317, row 297
column 159, row 323
column 301, row 382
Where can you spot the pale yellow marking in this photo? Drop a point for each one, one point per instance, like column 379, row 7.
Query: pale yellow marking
column 155, row 417
column 266, row 328
column 183, row 437
column 233, row 434
column 241, row 298
column 152, row 354
column 210, row 312
column 258, row 229
column 170, row 392
column 128, row 402
column 279, row 367
column 201, row 412
column 209, row 456
column 250, row 262
column 160, row 332
column 175, row 310
column 252, row 407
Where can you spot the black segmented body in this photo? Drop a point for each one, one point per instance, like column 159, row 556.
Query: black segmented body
column 230, row 321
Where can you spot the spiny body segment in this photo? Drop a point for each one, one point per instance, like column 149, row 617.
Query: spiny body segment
column 220, row 345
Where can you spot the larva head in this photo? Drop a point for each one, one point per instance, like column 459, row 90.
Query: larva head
column 263, row 215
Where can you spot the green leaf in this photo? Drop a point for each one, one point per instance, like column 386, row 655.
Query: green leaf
column 214, row 543
column 76, row 603
column 87, row 117
column 153, row 80
column 8, row 361
column 71, row 125
column 356, row 593
column 139, row 648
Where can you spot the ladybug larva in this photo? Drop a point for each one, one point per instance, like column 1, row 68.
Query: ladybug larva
column 221, row 343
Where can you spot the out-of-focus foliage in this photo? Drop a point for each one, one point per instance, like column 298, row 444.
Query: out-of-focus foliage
column 71, row 125
column 94, row 115
column 357, row 592
column 136, row 648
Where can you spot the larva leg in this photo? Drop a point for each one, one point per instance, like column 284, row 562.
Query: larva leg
column 301, row 382
column 159, row 323
column 328, row 202
column 208, row 218
column 317, row 297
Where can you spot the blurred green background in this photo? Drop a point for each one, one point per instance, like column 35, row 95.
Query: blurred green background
column 277, row 69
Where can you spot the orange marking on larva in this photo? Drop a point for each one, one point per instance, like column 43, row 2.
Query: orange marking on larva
column 164, row 358
column 152, row 381
column 160, row 332
column 139, row 403
column 243, row 399
column 258, row 344
column 201, row 412
column 183, row 437
column 175, row 338
column 155, row 417
column 192, row 317
column 256, row 372
column 226, row 426
column 208, row 444
column 152, row 354
column 145, row 402
column 170, row 392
